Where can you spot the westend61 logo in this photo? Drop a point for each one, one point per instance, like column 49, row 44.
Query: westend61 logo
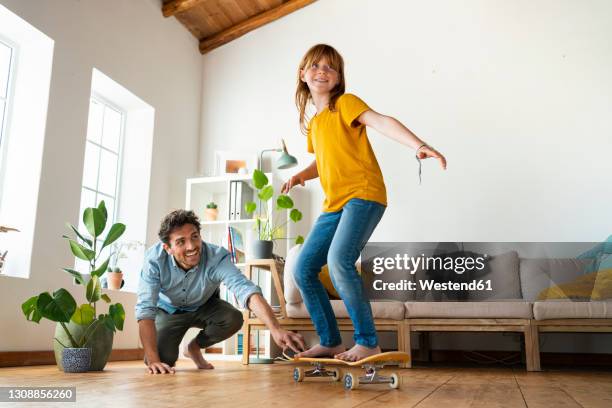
column 411, row 264
column 420, row 270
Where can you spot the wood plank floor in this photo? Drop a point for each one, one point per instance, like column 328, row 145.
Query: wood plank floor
column 125, row 384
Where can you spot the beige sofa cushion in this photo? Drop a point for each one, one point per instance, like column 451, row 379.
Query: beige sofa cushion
column 567, row 309
column 291, row 291
column 502, row 309
column 538, row 274
column 504, row 276
column 380, row 310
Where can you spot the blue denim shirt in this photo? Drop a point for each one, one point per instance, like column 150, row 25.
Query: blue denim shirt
column 163, row 284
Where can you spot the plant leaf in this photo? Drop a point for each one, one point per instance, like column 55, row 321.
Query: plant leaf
column 94, row 289
column 76, row 274
column 94, row 220
column 259, row 179
column 58, row 308
column 284, row 201
column 30, row 310
column 78, row 234
column 81, row 252
column 299, row 240
column 295, row 215
column 102, row 207
column 84, row 315
column 100, row 271
column 115, row 232
column 105, row 298
column 118, row 314
column 250, row 207
column 266, row 193
column 109, row 322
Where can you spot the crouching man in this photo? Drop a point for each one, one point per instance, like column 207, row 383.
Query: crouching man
column 179, row 289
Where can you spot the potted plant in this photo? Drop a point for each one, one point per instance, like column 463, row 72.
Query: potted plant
column 114, row 274
column 267, row 232
column 114, row 277
column 211, row 212
column 81, row 326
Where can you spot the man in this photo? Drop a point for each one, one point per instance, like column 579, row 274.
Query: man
column 178, row 289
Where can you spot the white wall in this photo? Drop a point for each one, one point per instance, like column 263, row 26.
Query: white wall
column 155, row 58
column 515, row 93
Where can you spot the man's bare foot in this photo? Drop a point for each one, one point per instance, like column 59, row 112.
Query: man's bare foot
column 193, row 352
column 321, row 351
column 357, row 352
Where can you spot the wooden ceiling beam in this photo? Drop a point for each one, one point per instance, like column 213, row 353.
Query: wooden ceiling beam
column 176, row 6
column 225, row 36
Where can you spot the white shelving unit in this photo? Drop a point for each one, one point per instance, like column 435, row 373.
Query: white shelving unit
column 199, row 192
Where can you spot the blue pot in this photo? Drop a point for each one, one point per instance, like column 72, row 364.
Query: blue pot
column 76, row 360
column 100, row 343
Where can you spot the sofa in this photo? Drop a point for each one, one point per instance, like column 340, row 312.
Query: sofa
column 512, row 307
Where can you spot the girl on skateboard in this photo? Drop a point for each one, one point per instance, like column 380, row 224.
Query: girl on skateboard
column 355, row 197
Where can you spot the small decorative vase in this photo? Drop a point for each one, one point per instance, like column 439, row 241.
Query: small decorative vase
column 262, row 249
column 76, row 360
column 114, row 280
column 211, row 214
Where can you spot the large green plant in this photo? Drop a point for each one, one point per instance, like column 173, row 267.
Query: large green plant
column 266, row 229
column 61, row 306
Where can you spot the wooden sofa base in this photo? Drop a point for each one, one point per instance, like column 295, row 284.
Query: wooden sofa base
column 524, row 326
column 530, row 329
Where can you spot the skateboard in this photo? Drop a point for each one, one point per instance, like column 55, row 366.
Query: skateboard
column 351, row 381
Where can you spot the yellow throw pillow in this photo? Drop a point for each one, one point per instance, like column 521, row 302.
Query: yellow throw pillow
column 327, row 282
column 592, row 286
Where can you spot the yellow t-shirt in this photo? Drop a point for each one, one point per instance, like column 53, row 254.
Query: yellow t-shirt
column 345, row 160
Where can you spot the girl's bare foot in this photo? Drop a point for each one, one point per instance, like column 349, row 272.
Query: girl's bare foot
column 358, row 352
column 193, row 352
column 321, row 351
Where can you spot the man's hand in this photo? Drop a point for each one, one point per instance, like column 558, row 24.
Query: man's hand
column 293, row 181
column 159, row 367
column 426, row 151
column 286, row 339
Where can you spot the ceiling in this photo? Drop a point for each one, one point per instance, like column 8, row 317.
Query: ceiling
column 217, row 22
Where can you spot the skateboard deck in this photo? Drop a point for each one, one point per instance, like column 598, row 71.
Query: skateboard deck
column 388, row 357
column 350, row 380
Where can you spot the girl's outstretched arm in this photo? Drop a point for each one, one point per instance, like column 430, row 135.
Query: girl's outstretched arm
column 308, row 173
column 395, row 130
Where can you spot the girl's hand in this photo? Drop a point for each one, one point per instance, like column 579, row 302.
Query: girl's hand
column 297, row 179
column 427, row 151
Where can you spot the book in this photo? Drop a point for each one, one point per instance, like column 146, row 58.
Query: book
column 237, row 245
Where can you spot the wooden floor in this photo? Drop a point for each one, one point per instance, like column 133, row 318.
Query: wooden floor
column 125, row 384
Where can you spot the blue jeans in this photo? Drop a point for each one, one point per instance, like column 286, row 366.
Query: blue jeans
column 336, row 239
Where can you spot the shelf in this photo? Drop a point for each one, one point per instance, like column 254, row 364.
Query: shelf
column 223, row 179
column 222, row 222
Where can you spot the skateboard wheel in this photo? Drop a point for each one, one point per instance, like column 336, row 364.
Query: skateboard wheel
column 351, row 381
column 337, row 374
column 298, row 374
column 394, row 381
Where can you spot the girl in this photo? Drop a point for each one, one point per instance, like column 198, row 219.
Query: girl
column 355, row 198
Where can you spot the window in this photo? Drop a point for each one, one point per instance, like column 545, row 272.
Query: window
column 6, row 59
column 117, row 168
column 26, row 57
column 101, row 168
